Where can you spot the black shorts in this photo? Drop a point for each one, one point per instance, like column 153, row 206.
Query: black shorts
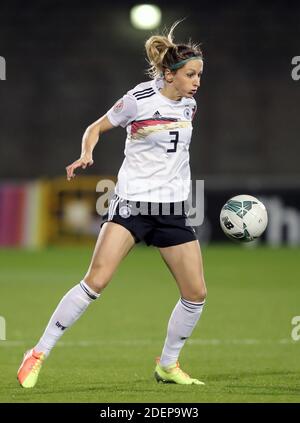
column 158, row 224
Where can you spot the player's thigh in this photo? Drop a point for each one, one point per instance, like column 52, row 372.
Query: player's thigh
column 113, row 244
column 186, row 265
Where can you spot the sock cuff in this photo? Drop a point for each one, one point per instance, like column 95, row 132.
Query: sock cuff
column 89, row 292
column 192, row 306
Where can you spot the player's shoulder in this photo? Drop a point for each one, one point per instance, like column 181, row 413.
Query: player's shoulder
column 190, row 107
column 190, row 102
column 142, row 90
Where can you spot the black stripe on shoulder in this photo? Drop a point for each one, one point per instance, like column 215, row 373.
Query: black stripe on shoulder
column 143, row 91
column 145, row 96
column 141, row 95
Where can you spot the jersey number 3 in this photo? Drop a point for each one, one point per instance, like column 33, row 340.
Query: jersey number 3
column 175, row 141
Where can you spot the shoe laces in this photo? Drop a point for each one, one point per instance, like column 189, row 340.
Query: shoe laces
column 35, row 366
column 176, row 368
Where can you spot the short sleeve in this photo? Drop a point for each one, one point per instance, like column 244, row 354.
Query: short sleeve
column 123, row 111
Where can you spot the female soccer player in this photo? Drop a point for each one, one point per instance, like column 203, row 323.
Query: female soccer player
column 153, row 179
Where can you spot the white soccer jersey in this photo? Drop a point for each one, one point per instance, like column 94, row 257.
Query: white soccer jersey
column 156, row 165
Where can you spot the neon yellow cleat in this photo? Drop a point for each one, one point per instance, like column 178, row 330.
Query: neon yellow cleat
column 174, row 374
column 29, row 370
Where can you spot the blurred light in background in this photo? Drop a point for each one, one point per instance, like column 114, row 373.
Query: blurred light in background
column 145, row 16
column 77, row 215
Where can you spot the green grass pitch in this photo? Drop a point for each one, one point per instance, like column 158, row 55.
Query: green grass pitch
column 242, row 347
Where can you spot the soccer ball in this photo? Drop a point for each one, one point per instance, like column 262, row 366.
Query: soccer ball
column 243, row 218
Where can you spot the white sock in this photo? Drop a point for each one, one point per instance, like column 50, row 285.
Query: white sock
column 70, row 308
column 181, row 324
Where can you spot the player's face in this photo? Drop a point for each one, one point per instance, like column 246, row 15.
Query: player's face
column 187, row 79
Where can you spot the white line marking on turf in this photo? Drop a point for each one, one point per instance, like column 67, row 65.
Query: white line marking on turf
column 141, row 342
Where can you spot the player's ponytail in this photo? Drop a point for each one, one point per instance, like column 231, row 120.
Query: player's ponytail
column 163, row 53
column 156, row 48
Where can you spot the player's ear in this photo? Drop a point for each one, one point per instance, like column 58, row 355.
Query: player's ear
column 168, row 75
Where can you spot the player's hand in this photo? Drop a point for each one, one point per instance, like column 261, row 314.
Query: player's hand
column 82, row 162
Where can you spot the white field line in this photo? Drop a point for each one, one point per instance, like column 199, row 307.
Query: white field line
column 144, row 342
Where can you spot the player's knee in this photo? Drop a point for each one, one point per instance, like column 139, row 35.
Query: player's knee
column 98, row 278
column 202, row 295
column 97, row 284
column 202, row 291
column 197, row 295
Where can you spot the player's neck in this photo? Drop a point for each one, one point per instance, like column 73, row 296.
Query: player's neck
column 171, row 93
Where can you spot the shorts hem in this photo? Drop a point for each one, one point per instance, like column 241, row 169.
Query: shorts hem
column 173, row 243
column 136, row 240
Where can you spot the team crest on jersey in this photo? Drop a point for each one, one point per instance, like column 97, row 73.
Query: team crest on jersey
column 125, row 211
column 118, row 106
column 187, row 113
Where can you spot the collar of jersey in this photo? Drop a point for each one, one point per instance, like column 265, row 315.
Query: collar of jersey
column 166, row 99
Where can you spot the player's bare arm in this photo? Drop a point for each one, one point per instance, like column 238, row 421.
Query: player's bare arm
column 89, row 141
